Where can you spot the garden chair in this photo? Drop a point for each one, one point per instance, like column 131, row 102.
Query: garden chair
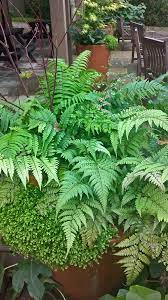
column 123, row 32
column 137, row 29
column 139, row 51
column 155, row 57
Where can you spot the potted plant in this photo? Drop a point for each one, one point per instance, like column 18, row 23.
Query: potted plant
column 73, row 147
column 90, row 32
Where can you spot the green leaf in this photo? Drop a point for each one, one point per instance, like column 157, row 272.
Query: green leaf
column 36, row 169
column 107, row 297
column 142, row 293
column 50, row 167
column 114, row 141
column 36, row 289
column 18, row 280
column 22, row 166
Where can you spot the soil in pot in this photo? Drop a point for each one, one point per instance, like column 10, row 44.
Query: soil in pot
column 99, row 58
column 92, row 282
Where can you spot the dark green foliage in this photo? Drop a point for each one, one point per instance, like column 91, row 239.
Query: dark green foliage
column 27, row 276
column 30, row 273
column 37, row 7
column 156, row 12
column 41, row 236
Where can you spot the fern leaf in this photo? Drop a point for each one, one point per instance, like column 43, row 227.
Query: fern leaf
column 114, row 141
column 50, row 166
column 72, row 186
column 101, row 173
column 154, row 203
column 72, row 219
column 12, row 143
column 36, row 169
column 22, row 167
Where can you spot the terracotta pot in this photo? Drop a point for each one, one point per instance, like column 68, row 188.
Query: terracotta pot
column 99, row 58
column 92, row 282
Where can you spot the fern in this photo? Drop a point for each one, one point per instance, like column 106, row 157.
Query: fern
column 153, row 169
column 152, row 117
column 7, row 119
column 72, row 186
column 90, row 147
column 72, row 219
column 72, row 82
column 142, row 89
column 8, row 191
column 138, row 250
column 101, row 172
column 12, row 142
column 154, row 202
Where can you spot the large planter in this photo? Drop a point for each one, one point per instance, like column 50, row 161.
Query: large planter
column 92, row 282
column 99, row 58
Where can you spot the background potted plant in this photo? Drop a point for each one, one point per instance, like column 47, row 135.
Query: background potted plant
column 90, row 30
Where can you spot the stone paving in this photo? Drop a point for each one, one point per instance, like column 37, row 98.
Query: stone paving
column 11, row 87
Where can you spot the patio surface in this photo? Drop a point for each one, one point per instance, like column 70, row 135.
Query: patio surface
column 11, row 87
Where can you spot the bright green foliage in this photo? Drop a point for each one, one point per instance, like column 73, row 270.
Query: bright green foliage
column 84, row 149
column 142, row 89
column 111, row 42
column 101, row 172
column 72, row 83
column 152, row 169
column 29, row 232
column 28, row 148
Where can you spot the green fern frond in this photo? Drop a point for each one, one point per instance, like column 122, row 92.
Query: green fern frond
column 7, row 119
column 50, row 167
column 72, row 187
column 152, row 117
column 154, row 202
column 8, row 191
column 90, row 147
column 142, row 89
column 22, row 167
column 114, row 138
column 80, row 63
column 136, row 254
column 13, row 142
column 72, row 219
column 101, row 172
column 40, row 119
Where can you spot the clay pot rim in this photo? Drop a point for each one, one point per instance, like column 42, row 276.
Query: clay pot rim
column 92, row 45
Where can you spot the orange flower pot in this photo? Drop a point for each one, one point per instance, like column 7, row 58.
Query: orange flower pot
column 92, row 282
column 99, row 58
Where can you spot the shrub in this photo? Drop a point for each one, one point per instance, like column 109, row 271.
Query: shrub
column 156, row 13
column 111, row 42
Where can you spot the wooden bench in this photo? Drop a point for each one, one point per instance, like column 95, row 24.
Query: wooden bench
column 155, row 57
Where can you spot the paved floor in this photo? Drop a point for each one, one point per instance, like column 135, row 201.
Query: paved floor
column 12, row 88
